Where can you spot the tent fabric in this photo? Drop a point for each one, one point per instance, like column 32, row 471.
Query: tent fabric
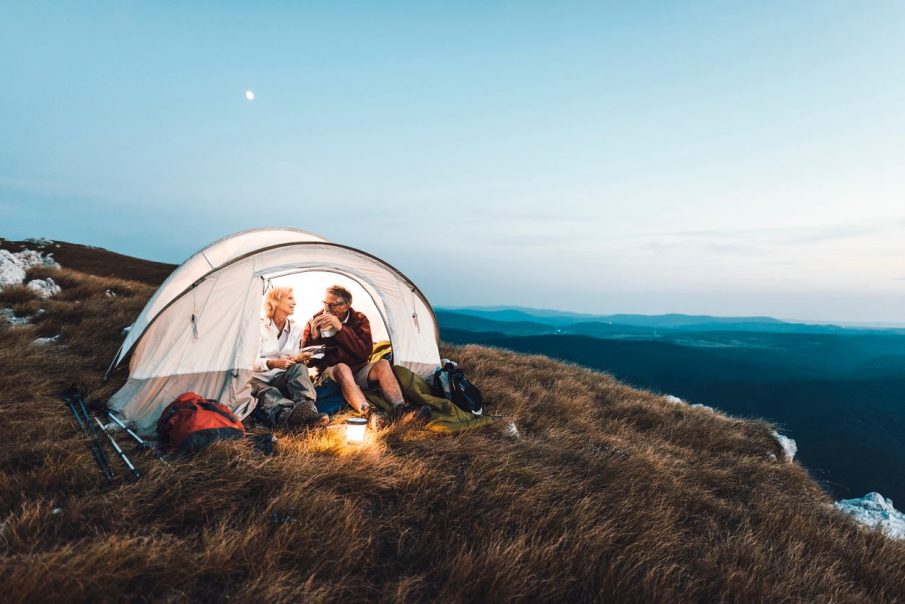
column 205, row 337
column 214, row 256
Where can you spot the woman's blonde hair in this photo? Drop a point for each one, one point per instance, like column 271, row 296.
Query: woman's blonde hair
column 273, row 299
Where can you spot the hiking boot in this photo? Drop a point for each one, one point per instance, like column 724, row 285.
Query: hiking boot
column 306, row 415
column 318, row 421
column 377, row 420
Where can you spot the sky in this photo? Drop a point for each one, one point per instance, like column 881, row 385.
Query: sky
column 723, row 158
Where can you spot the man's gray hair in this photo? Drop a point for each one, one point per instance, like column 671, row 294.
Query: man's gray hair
column 340, row 292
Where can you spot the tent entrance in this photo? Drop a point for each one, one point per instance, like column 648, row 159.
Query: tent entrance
column 309, row 286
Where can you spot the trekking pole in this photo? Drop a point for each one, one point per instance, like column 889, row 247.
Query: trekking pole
column 75, row 414
column 117, row 449
column 95, row 447
column 142, row 443
column 108, row 470
column 96, row 452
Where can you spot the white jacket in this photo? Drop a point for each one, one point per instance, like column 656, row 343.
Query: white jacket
column 270, row 346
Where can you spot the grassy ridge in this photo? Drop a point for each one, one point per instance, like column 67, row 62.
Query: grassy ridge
column 97, row 261
column 849, row 423
column 610, row 493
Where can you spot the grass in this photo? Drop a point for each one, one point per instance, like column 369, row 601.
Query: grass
column 609, row 494
column 97, row 261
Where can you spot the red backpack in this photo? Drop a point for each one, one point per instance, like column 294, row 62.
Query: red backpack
column 192, row 422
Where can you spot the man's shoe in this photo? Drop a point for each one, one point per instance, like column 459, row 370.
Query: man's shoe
column 319, row 421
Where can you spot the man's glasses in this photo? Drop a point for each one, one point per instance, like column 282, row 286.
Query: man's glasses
column 333, row 304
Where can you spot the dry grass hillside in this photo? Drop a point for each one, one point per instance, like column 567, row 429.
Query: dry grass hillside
column 608, row 494
column 96, row 261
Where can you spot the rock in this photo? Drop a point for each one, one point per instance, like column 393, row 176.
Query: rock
column 875, row 511
column 31, row 259
column 669, row 398
column 45, row 288
column 46, row 341
column 12, row 272
column 14, row 266
column 512, row 431
column 789, row 448
column 7, row 314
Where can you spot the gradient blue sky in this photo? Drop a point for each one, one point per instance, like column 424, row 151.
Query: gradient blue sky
column 699, row 157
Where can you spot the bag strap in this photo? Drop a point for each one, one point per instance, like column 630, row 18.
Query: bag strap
column 211, row 406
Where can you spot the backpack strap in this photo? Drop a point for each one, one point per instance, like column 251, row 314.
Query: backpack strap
column 210, row 405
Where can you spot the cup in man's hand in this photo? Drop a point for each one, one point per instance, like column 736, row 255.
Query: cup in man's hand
column 326, row 329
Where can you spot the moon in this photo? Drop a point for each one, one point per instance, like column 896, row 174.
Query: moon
column 249, row 95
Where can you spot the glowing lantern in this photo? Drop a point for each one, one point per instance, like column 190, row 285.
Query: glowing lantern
column 355, row 429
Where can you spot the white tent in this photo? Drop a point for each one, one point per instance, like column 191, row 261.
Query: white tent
column 200, row 329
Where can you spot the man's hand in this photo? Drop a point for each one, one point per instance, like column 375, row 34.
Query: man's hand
column 281, row 363
column 322, row 322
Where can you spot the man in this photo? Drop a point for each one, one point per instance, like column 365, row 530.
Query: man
column 346, row 334
column 280, row 383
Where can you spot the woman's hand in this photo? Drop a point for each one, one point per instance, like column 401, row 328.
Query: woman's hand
column 281, row 363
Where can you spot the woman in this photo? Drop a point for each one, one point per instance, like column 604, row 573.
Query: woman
column 281, row 384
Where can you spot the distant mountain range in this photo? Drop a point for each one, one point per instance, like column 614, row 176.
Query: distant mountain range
column 839, row 392
column 522, row 320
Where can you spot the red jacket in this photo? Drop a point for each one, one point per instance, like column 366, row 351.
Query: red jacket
column 351, row 345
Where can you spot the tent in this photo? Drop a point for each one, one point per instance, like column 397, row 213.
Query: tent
column 200, row 329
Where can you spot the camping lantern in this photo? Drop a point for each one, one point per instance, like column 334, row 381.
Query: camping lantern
column 355, row 429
